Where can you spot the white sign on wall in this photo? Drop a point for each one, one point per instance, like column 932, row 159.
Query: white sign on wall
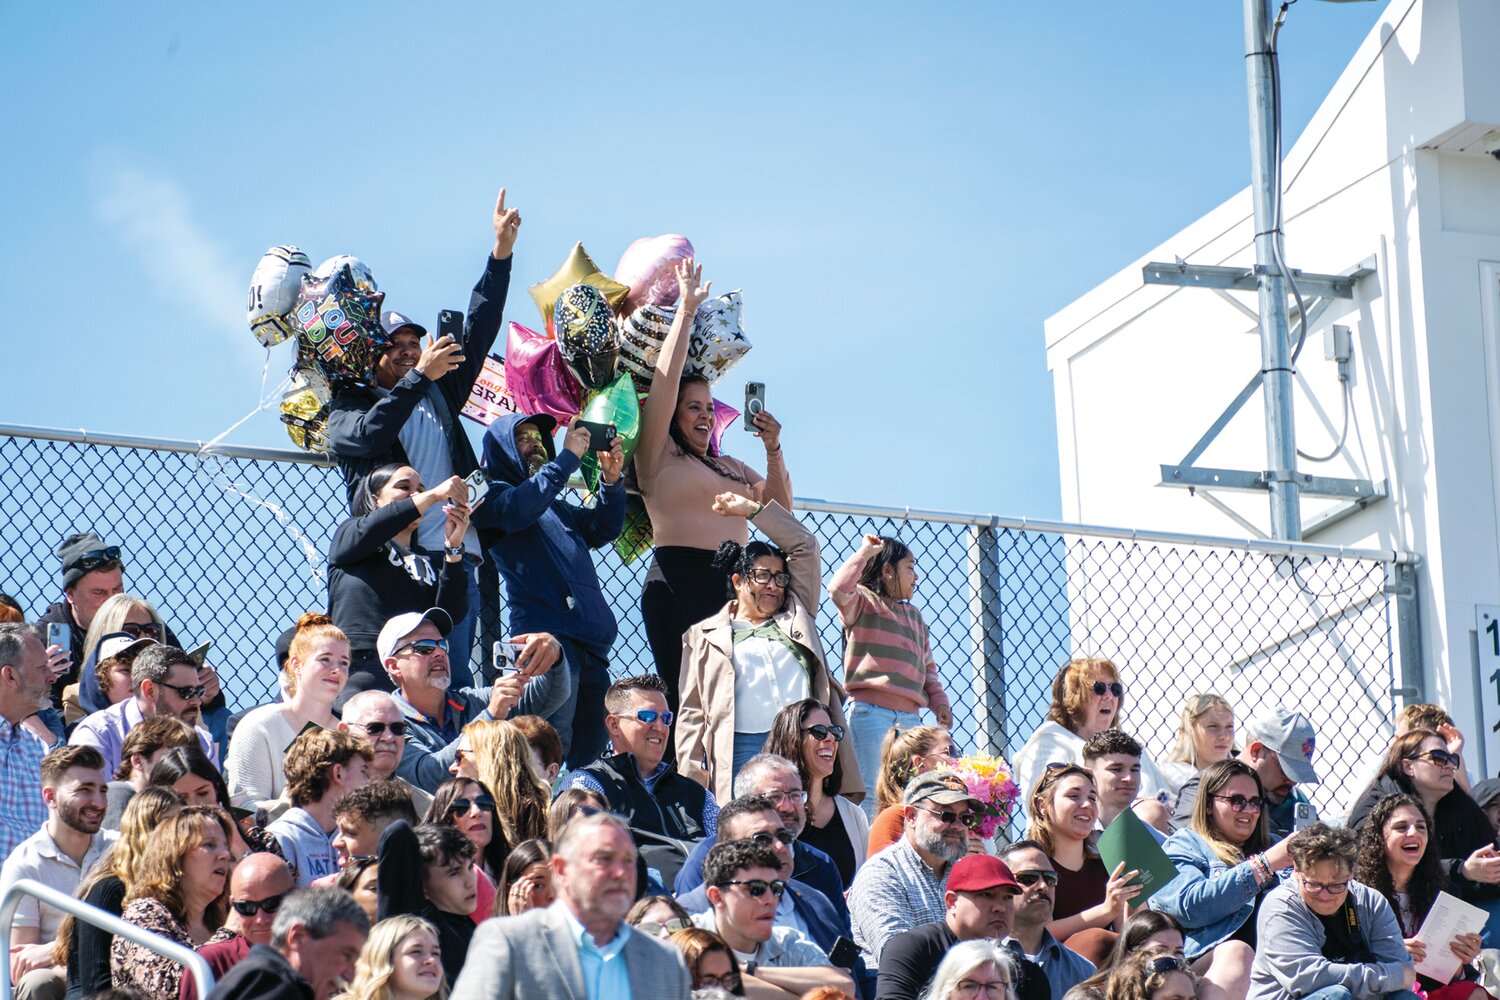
column 1487, row 625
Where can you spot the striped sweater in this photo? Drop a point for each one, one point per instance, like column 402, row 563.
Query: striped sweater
column 887, row 658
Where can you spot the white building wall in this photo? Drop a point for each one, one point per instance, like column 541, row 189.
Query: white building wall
column 1387, row 173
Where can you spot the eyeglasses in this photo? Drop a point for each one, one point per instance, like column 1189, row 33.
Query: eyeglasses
column 1439, row 758
column 756, row 887
column 1031, row 878
column 93, row 559
column 464, row 805
column 729, row 982
column 1239, row 804
column 970, row 989
column 1168, row 963
column 187, row 692
column 765, row 576
column 150, row 630
column 1323, row 888
column 425, row 647
column 648, row 716
column 764, row 838
column 250, row 907
column 660, row 930
column 777, row 796
column 398, row 729
column 1114, row 687
column 949, row 817
column 821, row 733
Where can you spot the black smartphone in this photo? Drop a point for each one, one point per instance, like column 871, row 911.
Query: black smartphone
column 451, row 324
column 844, row 953
column 755, row 402
column 601, row 436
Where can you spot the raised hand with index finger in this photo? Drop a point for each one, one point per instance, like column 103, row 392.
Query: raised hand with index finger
column 507, row 227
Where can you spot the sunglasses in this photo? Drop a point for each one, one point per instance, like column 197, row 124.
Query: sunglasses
column 250, row 907
column 425, row 647
column 1114, row 687
column 821, row 733
column 764, row 838
column 464, row 805
column 150, row 630
column 648, row 716
column 1440, row 758
column 777, row 796
column 1031, row 878
column 93, row 559
column 949, row 817
column 1239, row 804
column 1168, row 963
column 729, row 982
column 398, row 729
column 765, row 576
column 662, row 930
column 756, row 887
column 188, row 692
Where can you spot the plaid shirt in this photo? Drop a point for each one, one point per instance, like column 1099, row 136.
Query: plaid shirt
column 893, row 892
column 22, row 811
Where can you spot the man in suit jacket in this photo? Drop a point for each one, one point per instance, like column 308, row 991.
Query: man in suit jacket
column 580, row 947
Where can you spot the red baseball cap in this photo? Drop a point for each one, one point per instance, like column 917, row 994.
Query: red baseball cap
column 978, row 872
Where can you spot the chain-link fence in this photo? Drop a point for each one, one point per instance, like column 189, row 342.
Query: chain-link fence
column 230, row 548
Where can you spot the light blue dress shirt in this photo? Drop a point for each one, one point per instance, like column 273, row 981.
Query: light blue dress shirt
column 605, row 974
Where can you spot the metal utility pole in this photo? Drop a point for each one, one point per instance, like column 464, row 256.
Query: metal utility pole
column 1275, row 348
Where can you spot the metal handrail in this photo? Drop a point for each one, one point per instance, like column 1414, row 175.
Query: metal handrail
column 202, row 975
column 803, row 503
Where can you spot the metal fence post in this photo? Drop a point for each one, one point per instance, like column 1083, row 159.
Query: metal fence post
column 986, row 656
column 1408, row 594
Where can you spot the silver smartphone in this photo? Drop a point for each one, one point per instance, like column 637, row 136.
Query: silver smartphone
column 755, row 402
column 479, row 485
column 504, row 656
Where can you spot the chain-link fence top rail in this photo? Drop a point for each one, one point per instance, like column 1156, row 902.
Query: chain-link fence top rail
column 231, row 549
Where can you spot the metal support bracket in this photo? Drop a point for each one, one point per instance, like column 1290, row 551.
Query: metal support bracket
column 1256, row 482
column 1246, row 279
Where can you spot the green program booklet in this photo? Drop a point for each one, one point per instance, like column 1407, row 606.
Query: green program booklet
column 1128, row 839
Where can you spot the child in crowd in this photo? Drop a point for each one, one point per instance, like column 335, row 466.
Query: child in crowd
column 321, row 765
column 363, row 813
column 428, row 872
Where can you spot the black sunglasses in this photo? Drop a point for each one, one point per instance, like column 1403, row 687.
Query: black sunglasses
column 1114, row 687
column 821, row 733
column 764, row 838
column 398, row 729
column 1440, row 758
column 1168, row 963
column 757, row 887
column 249, row 907
column 93, row 559
column 1239, row 804
column 464, row 805
column 950, row 817
column 187, row 692
column 1031, row 878
column 425, row 647
column 150, row 630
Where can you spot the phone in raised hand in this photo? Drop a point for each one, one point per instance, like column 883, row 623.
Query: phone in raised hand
column 755, row 402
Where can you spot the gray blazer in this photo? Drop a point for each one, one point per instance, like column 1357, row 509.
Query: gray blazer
column 534, row 955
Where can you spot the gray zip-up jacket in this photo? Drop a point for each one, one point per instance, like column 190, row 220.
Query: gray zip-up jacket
column 1289, row 961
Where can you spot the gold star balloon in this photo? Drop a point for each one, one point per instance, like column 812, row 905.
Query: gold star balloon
column 578, row 269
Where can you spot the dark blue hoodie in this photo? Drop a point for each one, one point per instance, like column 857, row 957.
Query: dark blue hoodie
column 541, row 543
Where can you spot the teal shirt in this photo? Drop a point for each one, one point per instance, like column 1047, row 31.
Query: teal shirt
column 605, row 975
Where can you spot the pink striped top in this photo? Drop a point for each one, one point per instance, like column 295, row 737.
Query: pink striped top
column 887, row 657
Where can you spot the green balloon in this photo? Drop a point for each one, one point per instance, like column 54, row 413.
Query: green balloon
column 615, row 404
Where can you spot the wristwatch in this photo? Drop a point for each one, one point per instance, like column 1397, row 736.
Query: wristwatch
column 453, row 551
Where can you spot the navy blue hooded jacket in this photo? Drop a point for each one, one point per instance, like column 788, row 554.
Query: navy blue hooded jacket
column 541, row 543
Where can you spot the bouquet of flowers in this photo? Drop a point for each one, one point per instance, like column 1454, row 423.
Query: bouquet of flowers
column 989, row 780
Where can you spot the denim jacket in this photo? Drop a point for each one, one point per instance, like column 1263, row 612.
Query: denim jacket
column 1210, row 899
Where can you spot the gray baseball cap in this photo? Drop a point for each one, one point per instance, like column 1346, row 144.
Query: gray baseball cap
column 1485, row 791
column 1291, row 737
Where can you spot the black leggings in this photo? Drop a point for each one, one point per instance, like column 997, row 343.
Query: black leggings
column 682, row 588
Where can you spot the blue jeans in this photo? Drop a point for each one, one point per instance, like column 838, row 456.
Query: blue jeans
column 746, row 745
column 461, row 639
column 868, row 725
column 579, row 720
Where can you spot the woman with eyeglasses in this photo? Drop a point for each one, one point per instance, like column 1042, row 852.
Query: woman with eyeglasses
column 1088, row 697
column 974, row 970
column 526, row 879
column 889, row 670
column 316, row 671
column 1399, row 859
column 904, row 754
column 469, row 806
column 495, row 753
column 1323, row 936
column 1063, row 809
column 83, row 948
column 1419, row 764
column 1226, row 863
column 377, row 569
column 759, row 653
column 1153, row 973
column 709, row 961
column 1146, row 929
column 659, row 916
column 401, row 960
column 803, row 733
column 1205, row 735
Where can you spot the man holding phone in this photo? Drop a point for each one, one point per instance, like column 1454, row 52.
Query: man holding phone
column 541, row 545
column 411, row 414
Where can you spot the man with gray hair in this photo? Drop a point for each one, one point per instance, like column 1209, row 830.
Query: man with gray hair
column 315, row 939
column 376, row 716
column 163, row 681
column 580, row 946
column 25, row 689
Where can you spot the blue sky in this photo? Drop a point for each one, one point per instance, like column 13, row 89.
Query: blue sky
column 904, row 192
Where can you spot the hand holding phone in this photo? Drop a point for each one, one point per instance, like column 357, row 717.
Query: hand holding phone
column 503, row 656
column 601, row 436
column 478, row 485
column 755, row 403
